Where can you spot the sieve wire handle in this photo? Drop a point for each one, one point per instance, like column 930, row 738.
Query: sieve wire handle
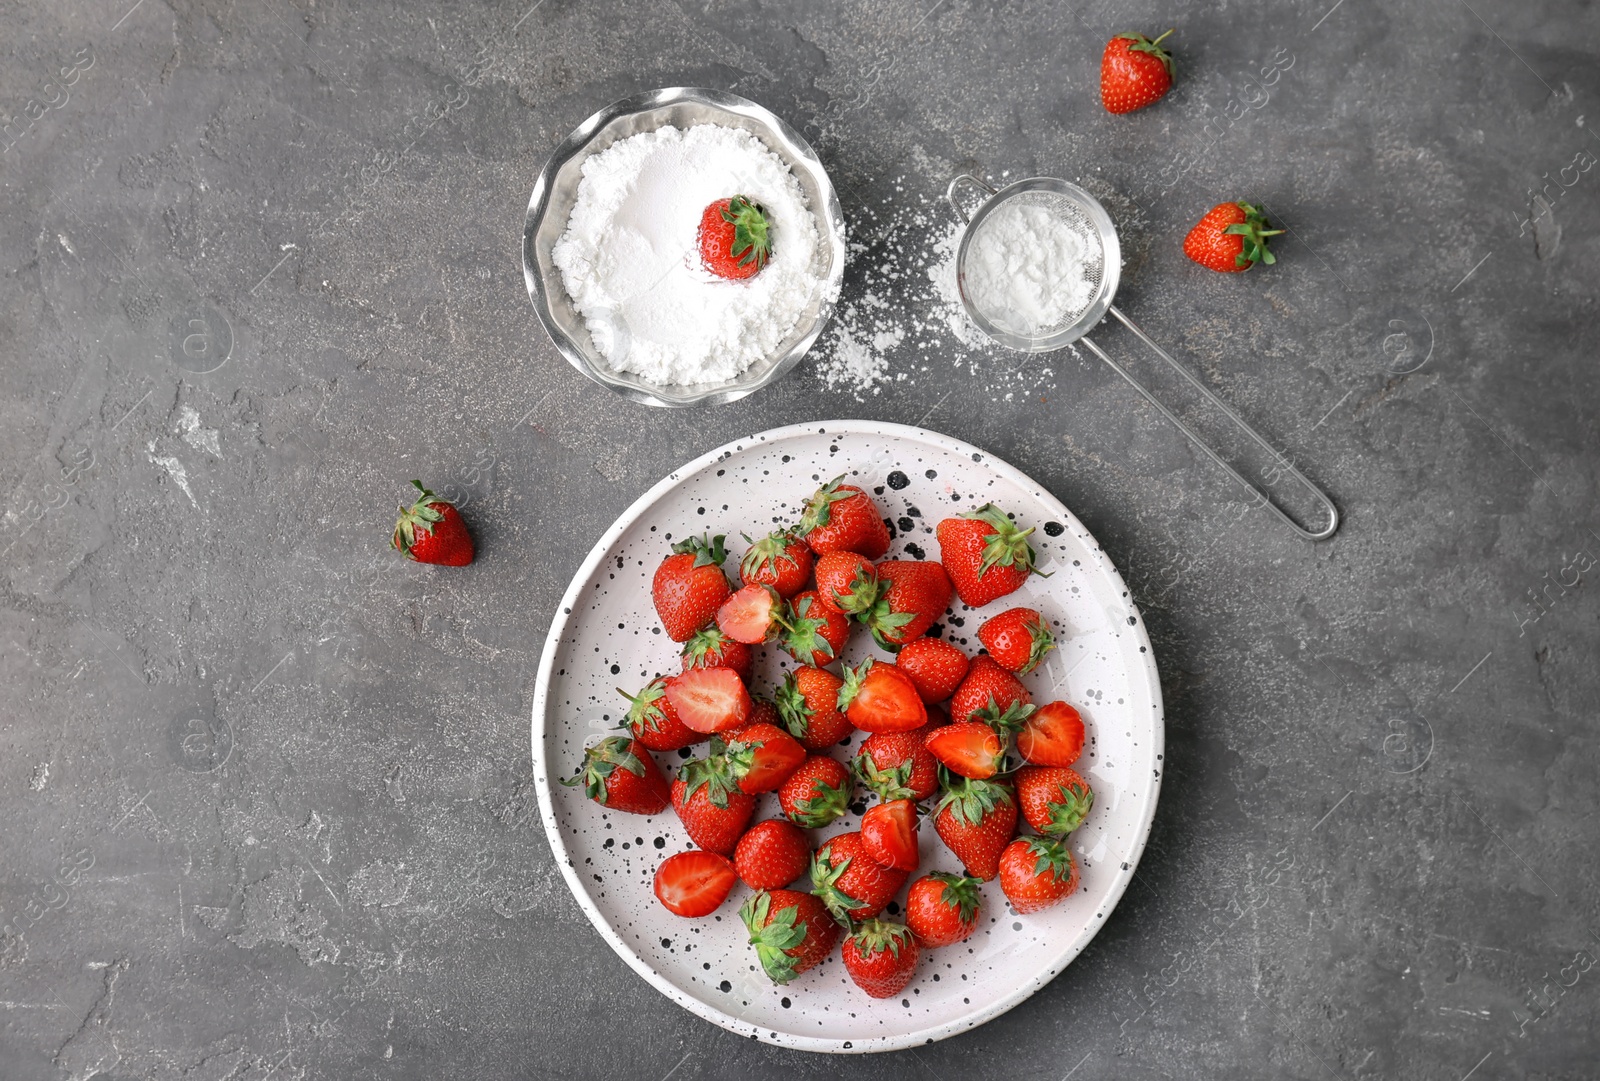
column 1282, row 462
column 950, row 194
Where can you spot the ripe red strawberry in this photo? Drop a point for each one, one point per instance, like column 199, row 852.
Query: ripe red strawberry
column 1054, row 799
column 1052, row 735
column 816, row 793
column 711, row 648
column 619, row 774
column 762, row 756
column 772, row 854
column 780, row 560
column 808, row 702
column 935, row 666
column 897, row 765
column 752, row 615
column 812, row 632
column 851, row 883
column 1017, row 639
column 881, row 957
column 988, row 687
column 689, row 586
column 1037, row 872
column 915, row 594
column 710, row 699
column 762, row 712
column 709, row 803
column 985, row 554
column 842, row 518
column 889, row 834
column 431, row 531
column 975, row 819
column 735, row 238
column 969, row 748
column 942, row 909
column 847, row 582
column 790, row 930
column 1134, row 72
column 654, row 722
column 1230, row 238
column 878, row 697
column 694, row 883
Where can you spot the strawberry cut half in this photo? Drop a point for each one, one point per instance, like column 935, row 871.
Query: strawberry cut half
column 878, row 697
column 751, row 614
column 694, row 883
column 889, row 834
column 1052, row 735
column 971, row 748
column 763, row 756
column 709, row 699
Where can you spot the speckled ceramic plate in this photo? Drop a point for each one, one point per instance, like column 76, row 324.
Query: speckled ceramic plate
column 606, row 635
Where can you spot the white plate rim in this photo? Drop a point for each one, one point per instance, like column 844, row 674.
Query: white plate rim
column 569, row 603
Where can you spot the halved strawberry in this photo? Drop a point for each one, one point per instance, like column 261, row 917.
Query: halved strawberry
column 813, row 633
column 1052, row 736
column 790, row 930
column 752, row 615
column 942, row 909
column 881, row 957
column 816, row 793
column 850, row 882
column 808, row 702
column 653, row 722
column 772, row 854
column 694, row 883
column 619, row 774
column 689, row 585
column 914, row 595
column 762, row 756
column 781, row 560
column 1055, row 800
column 711, row 648
column 897, row 765
column 878, row 697
column 935, row 666
column 847, row 582
column 709, row 699
column 970, row 748
column 842, row 518
column 975, row 819
column 709, row 803
column 1037, row 872
column 1017, row 639
column 987, row 686
column 889, row 834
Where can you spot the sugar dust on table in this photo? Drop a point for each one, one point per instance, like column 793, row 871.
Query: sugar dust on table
column 951, row 738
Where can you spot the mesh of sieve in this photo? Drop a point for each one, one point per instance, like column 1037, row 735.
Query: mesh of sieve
column 1069, row 215
column 1081, row 213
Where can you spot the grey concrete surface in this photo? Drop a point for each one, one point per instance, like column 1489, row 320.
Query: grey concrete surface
column 265, row 791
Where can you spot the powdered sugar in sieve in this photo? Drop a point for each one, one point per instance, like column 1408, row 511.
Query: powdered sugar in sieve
column 1034, row 263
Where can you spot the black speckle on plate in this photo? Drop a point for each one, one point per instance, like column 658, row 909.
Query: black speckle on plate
column 898, row 480
column 1054, row 529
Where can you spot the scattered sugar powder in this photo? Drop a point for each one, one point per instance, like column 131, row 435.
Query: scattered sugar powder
column 1028, row 268
column 630, row 257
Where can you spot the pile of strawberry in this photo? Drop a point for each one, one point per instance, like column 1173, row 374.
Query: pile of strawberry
column 993, row 758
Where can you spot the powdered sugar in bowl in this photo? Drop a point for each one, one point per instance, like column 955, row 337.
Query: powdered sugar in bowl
column 802, row 302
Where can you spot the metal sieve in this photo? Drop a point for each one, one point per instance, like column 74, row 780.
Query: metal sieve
column 1080, row 209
